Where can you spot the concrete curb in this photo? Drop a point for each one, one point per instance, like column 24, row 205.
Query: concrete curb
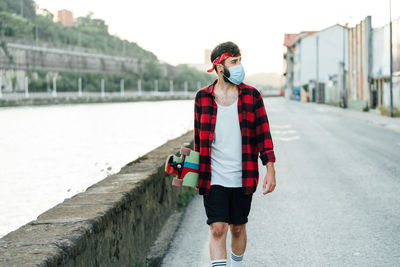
column 162, row 243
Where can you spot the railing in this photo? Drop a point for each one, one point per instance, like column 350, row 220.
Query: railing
column 53, row 93
column 127, row 94
column 138, row 92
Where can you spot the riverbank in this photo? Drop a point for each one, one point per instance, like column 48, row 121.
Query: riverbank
column 113, row 223
column 37, row 99
column 88, row 100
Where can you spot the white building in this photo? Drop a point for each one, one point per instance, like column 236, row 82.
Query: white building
column 318, row 58
column 381, row 64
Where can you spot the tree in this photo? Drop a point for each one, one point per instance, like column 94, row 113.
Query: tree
column 25, row 8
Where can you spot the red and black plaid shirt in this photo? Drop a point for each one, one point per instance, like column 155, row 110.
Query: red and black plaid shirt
column 254, row 127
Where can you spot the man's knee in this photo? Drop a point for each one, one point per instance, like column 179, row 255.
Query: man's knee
column 238, row 229
column 219, row 229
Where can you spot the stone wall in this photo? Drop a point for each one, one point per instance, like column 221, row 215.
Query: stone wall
column 113, row 223
column 86, row 100
column 32, row 57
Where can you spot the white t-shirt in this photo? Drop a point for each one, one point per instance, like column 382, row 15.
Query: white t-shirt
column 226, row 148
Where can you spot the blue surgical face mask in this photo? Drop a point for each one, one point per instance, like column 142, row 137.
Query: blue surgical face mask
column 236, row 74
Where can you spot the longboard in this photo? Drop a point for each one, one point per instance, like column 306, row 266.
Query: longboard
column 186, row 167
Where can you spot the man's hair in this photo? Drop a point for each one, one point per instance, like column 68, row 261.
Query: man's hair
column 227, row 47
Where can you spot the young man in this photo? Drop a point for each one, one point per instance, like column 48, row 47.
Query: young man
column 230, row 131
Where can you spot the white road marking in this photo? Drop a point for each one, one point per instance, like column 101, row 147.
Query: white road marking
column 282, row 126
column 283, row 132
column 286, row 138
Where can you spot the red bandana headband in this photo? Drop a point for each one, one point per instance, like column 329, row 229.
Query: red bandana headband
column 219, row 60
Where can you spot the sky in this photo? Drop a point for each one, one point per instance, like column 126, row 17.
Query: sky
column 178, row 31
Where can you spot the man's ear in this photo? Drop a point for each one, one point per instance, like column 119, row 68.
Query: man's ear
column 220, row 68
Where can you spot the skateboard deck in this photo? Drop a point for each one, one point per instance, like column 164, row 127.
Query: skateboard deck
column 186, row 167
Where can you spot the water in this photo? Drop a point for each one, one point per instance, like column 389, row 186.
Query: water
column 50, row 153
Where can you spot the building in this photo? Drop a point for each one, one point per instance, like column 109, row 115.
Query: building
column 207, row 56
column 288, row 57
column 313, row 60
column 205, row 65
column 344, row 66
column 380, row 71
column 65, row 17
column 359, row 93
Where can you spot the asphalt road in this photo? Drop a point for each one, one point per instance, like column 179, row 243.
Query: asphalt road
column 337, row 199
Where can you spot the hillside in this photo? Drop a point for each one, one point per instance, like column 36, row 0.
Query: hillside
column 26, row 23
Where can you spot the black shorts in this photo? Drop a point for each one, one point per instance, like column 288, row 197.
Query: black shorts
column 225, row 204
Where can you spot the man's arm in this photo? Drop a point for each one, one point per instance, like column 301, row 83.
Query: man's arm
column 196, row 124
column 270, row 165
column 196, row 146
column 265, row 145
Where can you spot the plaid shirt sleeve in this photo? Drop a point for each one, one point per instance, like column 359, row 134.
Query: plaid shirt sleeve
column 263, row 136
column 196, row 124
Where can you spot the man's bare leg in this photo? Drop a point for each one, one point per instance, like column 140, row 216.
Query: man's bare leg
column 218, row 231
column 238, row 242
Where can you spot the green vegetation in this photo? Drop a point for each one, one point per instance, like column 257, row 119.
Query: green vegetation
column 385, row 111
column 26, row 26
column 20, row 7
column 305, row 87
column 86, row 32
column 185, row 197
column 91, row 82
column 68, row 82
column 140, row 264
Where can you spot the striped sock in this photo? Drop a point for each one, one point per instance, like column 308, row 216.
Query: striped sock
column 236, row 260
column 219, row 263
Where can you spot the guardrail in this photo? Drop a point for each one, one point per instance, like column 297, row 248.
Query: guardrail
column 50, row 95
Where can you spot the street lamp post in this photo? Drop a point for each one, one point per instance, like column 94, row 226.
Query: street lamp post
column 22, row 7
column 343, row 80
column 391, row 60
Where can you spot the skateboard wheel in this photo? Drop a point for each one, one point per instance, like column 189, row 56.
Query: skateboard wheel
column 185, row 151
column 177, row 182
column 168, row 168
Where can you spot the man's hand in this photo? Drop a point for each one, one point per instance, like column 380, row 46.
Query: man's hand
column 269, row 179
column 195, row 188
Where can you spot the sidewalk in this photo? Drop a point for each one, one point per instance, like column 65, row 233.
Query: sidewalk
column 371, row 117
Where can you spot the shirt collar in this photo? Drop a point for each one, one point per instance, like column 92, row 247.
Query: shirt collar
column 210, row 88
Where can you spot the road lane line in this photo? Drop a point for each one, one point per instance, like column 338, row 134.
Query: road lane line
column 287, row 138
column 282, row 126
column 283, row 132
